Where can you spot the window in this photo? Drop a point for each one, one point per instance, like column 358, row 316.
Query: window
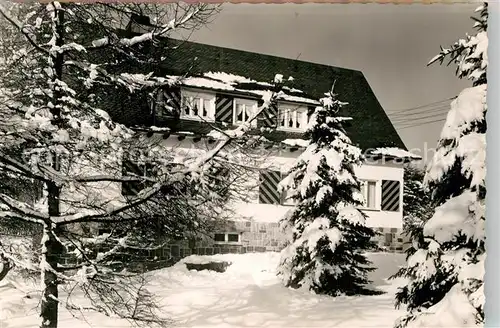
column 103, row 231
column 243, row 110
column 198, row 106
column 227, row 238
column 132, row 169
column 233, row 237
column 369, row 190
column 165, row 103
column 220, row 237
column 292, row 118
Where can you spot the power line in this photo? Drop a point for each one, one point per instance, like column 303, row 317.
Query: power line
column 419, row 118
column 438, row 108
column 420, row 124
column 431, row 114
column 419, row 107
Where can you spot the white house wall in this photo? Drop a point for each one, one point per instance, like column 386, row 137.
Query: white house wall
column 378, row 218
column 283, row 160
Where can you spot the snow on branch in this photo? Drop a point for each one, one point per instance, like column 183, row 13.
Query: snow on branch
column 394, row 152
column 9, row 164
column 20, row 210
column 107, row 215
column 160, row 31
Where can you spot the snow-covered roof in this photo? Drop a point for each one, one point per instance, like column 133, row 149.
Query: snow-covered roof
column 394, row 152
column 222, row 81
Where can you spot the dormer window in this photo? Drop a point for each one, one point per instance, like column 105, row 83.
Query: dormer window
column 243, row 111
column 292, row 117
column 198, row 106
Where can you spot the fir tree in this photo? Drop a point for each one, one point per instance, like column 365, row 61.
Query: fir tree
column 445, row 271
column 329, row 232
column 417, row 205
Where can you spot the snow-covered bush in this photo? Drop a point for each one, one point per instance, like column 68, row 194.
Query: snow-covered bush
column 329, row 235
column 445, row 270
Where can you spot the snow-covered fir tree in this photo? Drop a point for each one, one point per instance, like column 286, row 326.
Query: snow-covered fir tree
column 329, row 235
column 445, row 271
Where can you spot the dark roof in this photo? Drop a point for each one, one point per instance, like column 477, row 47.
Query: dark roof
column 370, row 127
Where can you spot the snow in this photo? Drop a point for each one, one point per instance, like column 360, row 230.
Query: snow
column 200, row 82
column 248, row 294
column 352, row 214
column 454, row 310
column 285, row 97
column 394, row 152
column 472, row 148
column 221, row 81
column 453, row 217
column 100, row 42
column 159, row 129
column 466, row 110
column 296, row 142
column 227, row 77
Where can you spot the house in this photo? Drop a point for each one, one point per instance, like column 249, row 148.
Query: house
column 221, row 87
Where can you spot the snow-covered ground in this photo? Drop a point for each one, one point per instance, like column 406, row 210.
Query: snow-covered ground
column 248, row 294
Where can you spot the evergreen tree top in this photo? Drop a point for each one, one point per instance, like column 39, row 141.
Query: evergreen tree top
column 329, row 159
column 459, row 161
column 470, row 54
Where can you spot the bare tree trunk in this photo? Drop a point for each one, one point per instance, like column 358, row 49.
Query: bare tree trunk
column 52, row 248
column 6, row 266
column 51, row 254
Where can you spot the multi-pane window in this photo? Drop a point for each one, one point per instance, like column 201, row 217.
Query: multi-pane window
column 199, row 106
column 132, row 169
column 230, row 237
column 165, row 103
column 220, row 237
column 244, row 110
column 369, row 191
column 292, row 118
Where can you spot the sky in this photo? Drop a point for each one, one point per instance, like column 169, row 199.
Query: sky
column 391, row 44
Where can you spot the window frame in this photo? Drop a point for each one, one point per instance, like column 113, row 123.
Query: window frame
column 365, row 190
column 226, row 238
column 202, row 96
column 292, row 108
column 147, row 170
column 245, row 102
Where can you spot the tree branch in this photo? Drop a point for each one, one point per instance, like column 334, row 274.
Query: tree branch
column 20, row 210
column 15, row 166
column 19, row 26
